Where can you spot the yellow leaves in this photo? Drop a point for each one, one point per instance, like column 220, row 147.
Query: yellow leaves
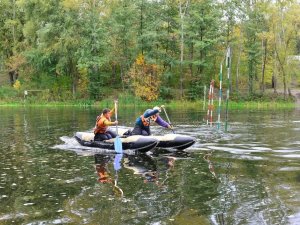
column 17, row 85
column 140, row 60
column 145, row 79
column 14, row 62
column 71, row 4
column 147, row 89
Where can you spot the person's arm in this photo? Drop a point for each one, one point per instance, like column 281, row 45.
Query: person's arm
column 106, row 122
column 162, row 123
column 112, row 112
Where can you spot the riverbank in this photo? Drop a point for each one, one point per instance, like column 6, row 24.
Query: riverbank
column 123, row 102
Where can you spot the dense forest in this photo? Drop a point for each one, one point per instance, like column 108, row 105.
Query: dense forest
column 169, row 49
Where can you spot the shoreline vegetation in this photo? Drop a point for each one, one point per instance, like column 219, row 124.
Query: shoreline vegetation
column 256, row 102
column 57, row 51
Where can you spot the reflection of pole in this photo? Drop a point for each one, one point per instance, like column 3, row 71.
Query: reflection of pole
column 117, row 165
column 228, row 86
column 210, row 165
column 220, row 98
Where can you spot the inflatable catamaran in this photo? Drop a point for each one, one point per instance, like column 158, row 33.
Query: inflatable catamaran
column 138, row 142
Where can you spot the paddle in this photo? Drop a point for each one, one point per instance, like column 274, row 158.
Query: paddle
column 117, row 142
column 167, row 118
column 117, row 166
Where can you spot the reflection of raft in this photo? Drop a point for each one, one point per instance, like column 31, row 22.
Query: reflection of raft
column 137, row 143
column 176, row 141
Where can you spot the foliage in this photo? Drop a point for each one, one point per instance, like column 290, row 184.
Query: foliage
column 8, row 93
column 91, row 50
column 145, row 79
column 17, row 85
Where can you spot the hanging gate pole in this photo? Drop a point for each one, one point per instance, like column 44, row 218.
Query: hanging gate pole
column 210, row 103
column 204, row 98
column 220, row 98
column 228, row 86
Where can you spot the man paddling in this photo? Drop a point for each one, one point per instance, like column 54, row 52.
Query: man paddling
column 143, row 122
column 101, row 130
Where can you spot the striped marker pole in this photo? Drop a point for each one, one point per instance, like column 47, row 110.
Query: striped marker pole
column 210, row 103
column 220, row 98
column 228, row 86
column 204, row 98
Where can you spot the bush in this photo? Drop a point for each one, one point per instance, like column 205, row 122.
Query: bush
column 8, row 93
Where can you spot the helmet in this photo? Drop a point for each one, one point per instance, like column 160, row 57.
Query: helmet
column 157, row 108
column 148, row 111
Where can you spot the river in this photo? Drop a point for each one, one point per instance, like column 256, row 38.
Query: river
column 247, row 175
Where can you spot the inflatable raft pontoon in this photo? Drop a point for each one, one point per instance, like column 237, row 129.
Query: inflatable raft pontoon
column 136, row 143
column 175, row 141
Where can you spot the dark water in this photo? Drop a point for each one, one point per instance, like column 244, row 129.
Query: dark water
column 249, row 175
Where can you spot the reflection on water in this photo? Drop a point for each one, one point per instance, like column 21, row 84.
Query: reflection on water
column 249, row 175
column 105, row 176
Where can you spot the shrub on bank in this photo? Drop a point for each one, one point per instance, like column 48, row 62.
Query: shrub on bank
column 11, row 96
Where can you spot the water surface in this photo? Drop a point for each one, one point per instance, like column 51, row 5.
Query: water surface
column 248, row 175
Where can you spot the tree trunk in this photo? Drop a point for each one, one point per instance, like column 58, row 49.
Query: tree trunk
column 191, row 58
column 264, row 59
column 141, row 27
column 182, row 14
column 13, row 27
column 114, row 72
column 121, row 74
column 274, row 77
column 238, row 69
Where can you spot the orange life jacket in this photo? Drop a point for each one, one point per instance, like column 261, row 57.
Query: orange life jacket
column 100, row 127
column 146, row 121
column 103, row 174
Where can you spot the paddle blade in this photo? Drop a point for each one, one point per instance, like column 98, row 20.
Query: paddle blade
column 118, row 145
column 117, row 162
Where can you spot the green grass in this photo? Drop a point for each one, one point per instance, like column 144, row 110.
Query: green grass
column 9, row 97
column 171, row 104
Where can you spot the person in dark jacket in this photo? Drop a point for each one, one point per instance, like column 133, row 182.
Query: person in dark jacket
column 143, row 122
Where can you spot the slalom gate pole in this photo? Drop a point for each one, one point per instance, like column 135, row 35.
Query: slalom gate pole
column 220, row 99
column 228, row 59
column 212, row 102
column 204, row 98
column 208, row 104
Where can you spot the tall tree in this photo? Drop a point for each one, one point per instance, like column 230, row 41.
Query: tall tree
column 11, row 37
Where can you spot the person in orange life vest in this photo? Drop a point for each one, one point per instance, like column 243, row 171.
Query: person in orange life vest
column 101, row 130
column 142, row 123
column 102, row 168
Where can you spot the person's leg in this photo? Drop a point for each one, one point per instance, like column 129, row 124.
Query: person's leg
column 146, row 131
column 111, row 133
column 100, row 137
column 108, row 136
column 136, row 131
